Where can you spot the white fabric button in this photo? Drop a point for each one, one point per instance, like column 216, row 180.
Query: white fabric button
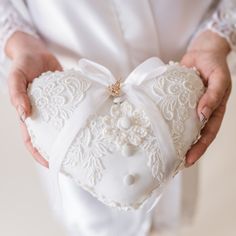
column 129, row 179
column 125, row 122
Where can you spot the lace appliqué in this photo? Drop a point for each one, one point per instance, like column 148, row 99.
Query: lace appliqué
column 224, row 23
column 124, row 126
column 178, row 93
column 88, row 148
column 56, row 95
column 127, row 126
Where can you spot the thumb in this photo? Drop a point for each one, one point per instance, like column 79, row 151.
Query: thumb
column 216, row 89
column 188, row 60
column 17, row 85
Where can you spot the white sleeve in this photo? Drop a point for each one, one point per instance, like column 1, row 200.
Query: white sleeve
column 11, row 21
column 223, row 22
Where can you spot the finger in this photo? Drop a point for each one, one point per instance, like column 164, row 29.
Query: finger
column 58, row 66
column 208, row 134
column 17, row 85
column 190, row 62
column 218, row 83
column 34, row 152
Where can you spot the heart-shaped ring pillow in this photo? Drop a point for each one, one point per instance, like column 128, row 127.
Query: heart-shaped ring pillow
column 122, row 141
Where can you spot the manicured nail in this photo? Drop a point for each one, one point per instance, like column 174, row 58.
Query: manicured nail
column 21, row 113
column 205, row 114
column 189, row 164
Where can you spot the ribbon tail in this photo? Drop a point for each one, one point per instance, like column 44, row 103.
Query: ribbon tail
column 100, row 75
column 161, row 131
column 154, row 202
column 67, row 135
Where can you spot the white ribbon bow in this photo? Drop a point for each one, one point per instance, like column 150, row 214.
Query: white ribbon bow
column 131, row 88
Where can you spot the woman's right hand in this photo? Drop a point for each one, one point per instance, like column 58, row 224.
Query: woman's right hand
column 30, row 58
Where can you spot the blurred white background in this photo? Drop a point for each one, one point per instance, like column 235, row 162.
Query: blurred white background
column 24, row 209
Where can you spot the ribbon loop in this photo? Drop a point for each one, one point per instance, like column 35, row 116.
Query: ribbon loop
column 152, row 66
column 100, row 74
column 96, row 72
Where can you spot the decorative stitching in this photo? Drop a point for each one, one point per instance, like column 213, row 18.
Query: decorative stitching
column 178, row 92
column 56, row 95
column 106, row 134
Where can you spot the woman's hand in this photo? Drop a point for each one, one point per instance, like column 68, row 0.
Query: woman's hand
column 208, row 53
column 30, row 58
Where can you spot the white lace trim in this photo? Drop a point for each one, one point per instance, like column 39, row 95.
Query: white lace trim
column 223, row 22
column 118, row 205
column 9, row 24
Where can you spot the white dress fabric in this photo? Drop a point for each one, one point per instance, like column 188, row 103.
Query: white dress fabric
column 120, row 35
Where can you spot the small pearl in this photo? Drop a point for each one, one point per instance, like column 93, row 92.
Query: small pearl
column 129, row 179
column 125, row 122
column 196, row 70
column 128, row 150
column 173, row 63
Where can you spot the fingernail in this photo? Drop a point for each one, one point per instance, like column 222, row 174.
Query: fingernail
column 189, row 164
column 21, row 113
column 205, row 114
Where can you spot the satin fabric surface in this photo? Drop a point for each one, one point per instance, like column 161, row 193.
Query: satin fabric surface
column 119, row 35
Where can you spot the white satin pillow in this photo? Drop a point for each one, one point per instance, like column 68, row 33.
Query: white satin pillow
column 120, row 141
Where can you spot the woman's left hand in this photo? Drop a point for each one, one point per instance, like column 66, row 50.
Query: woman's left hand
column 208, row 53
